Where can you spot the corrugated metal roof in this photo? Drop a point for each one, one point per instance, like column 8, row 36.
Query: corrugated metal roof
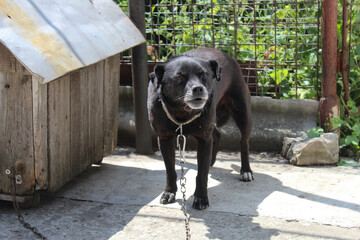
column 54, row 37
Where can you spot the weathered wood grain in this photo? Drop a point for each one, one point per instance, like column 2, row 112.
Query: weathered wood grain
column 16, row 131
column 111, row 102
column 96, row 111
column 8, row 62
column 75, row 123
column 84, row 112
column 39, row 98
column 50, row 133
column 59, row 132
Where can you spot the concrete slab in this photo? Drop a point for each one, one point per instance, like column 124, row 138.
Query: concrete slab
column 119, row 199
column 273, row 120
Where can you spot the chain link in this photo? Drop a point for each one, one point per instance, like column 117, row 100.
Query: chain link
column 181, row 144
column 11, row 175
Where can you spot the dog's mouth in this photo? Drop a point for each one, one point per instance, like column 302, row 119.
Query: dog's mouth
column 196, row 103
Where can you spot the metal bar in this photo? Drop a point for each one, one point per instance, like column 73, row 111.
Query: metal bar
column 250, row 24
column 350, row 30
column 275, row 6
column 242, row 44
column 173, row 24
column 250, row 3
column 329, row 105
column 344, row 53
column 140, row 81
column 212, row 23
column 318, row 55
column 193, row 24
column 235, row 29
column 255, row 43
column 296, row 51
column 152, row 28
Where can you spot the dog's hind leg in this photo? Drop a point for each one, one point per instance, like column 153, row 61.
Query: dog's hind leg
column 223, row 114
column 242, row 117
column 167, row 148
column 216, row 141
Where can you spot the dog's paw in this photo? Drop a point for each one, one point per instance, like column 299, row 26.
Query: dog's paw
column 167, row 197
column 200, row 203
column 246, row 176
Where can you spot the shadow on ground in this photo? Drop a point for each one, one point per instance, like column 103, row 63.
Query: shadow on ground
column 119, row 199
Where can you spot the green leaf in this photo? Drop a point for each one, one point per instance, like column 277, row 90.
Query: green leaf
column 314, row 132
column 356, row 128
column 342, row 143
column 357, row 48
column 281, row 14
column 280, row 75
column 337, row 122
column 347, row 163
column 351, row 140
column 354, row 109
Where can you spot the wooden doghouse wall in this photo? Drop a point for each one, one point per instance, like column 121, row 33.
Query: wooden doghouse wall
column 16, row 124
column 53, row 132
column 82, row 119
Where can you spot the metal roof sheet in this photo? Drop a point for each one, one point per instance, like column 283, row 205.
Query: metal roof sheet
column 54, row 37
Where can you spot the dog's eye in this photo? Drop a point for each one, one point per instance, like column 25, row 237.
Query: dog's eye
column 204, row 75
column 180, row 76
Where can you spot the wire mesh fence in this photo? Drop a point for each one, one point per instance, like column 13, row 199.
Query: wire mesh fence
column 353, row 60
column 277, row 43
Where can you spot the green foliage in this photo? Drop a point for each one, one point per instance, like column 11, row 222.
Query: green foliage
column 347, row 163
column 349, row 129
column 176, row 26
column 349, row 124
column 353, row 39
column 226, row 25
column 314, row 132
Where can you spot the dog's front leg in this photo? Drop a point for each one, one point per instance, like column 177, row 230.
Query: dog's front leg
column 204, row 151
column 167, row 148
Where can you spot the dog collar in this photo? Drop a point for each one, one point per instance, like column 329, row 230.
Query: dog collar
column 174, row 120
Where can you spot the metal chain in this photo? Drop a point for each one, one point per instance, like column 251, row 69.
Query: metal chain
column 11, row 175
column 181, row 144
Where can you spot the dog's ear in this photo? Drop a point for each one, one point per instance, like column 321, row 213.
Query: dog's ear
column 152, row 77
column 159, row 73
column 215, row 67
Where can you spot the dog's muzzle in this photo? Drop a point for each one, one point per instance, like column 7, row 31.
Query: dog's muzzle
column 196, row 97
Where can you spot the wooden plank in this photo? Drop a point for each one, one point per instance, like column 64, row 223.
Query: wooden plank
column 39, row 93
column 75, row 123
column 4, row 182
column 59, row 132
column 96, row 111
column 8, row 62
column 111, row 103
column 85, row 120
column 16, row 131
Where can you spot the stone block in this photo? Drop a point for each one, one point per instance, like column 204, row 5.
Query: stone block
column 315, row 151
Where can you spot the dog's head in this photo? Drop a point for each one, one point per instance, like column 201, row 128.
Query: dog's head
column 186, row 80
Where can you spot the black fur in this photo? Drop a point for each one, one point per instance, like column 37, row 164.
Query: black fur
column 205, row 81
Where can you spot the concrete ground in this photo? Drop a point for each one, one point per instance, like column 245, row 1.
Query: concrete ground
column 119, row 199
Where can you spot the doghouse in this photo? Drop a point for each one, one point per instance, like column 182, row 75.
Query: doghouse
column 59, row 83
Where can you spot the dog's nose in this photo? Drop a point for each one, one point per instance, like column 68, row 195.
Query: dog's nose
column 198, row 90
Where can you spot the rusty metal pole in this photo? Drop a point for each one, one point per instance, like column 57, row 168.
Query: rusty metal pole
column 140, row 81
column 329, row 106
column 344, row 67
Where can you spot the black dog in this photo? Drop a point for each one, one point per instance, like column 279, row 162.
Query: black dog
column 200, row 90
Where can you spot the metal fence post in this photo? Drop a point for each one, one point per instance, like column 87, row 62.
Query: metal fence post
column 140, row 81
column 329, row 106
column 344, row 52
